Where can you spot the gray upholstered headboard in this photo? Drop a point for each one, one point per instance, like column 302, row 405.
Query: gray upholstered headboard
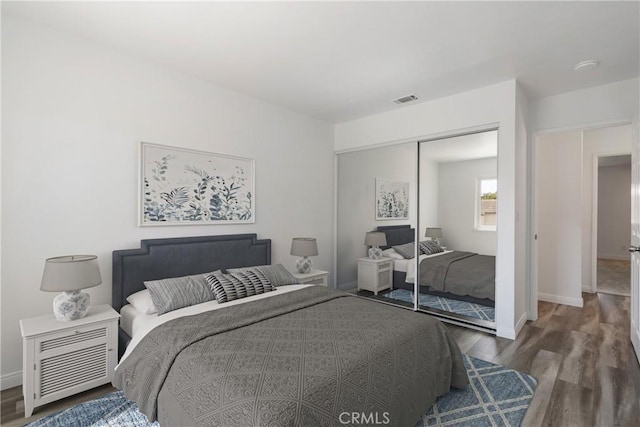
column 397, row 234
column 182, row 256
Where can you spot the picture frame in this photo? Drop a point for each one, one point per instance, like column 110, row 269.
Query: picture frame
column 392, row 199
column 180, row 186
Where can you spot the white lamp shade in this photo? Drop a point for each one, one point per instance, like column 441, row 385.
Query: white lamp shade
column 375, row 238
column 304, row 246
column 70, row 273
column 433, row 232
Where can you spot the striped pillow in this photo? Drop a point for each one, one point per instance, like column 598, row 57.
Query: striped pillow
column 178, row 292
column 276, row 274
column 240, row 284
column 429, row 247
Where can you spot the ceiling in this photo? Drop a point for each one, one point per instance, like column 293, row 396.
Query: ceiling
column 342, row 60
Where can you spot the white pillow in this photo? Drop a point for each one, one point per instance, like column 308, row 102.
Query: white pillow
column 391, row 253
column 142, row 302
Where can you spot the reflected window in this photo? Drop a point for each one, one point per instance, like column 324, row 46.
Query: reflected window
column 486, row 204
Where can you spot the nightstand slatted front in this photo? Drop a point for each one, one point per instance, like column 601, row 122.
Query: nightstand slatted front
column 73, row 368
column 65, row 358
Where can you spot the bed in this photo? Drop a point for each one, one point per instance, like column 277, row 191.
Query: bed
column 458, row 275
column 298, row 355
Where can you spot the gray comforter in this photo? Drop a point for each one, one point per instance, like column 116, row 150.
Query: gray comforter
column 460, row 273
column 297, row 359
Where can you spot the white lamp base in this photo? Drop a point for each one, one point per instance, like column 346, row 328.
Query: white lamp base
column 303, row 265
column 375, row 252
column 71, row 305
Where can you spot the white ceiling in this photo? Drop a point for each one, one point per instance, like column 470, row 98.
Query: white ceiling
column 343, row 60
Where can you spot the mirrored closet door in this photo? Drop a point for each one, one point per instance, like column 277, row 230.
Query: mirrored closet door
column 457, row 227
column 416, row 225
column 377, row 211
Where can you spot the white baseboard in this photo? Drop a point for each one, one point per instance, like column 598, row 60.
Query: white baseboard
column 508, row 333
column 615, row 257
column 575, row 302
column 520, row 323
column 513, row 333
column 13, row 379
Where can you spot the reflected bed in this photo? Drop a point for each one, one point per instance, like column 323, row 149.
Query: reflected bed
column 451, row 274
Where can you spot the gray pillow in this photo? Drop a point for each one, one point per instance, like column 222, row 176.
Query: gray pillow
column 240, row 284
column 277, row 274
column 407, row 250
column 178, row 292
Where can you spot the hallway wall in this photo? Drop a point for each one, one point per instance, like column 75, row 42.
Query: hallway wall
column 614, row 211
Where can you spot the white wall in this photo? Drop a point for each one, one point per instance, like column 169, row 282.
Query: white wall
column 73, row 116
column 597, row 142
column 598, row 104
column 559, row 229
column 357, row 173
column 482, row 107
column 614, row 211
column 456, row 205
column 429, row 192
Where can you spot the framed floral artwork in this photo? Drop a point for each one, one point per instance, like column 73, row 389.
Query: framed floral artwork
column 179, row 186
column 392, row 199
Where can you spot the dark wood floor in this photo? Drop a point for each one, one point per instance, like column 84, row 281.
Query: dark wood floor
column 587, row 373
column 586, row 370
column 614, row 277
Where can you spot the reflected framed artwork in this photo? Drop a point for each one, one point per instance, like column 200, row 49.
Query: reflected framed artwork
column 392, row 199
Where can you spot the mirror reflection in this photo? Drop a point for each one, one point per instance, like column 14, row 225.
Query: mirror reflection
column 376, row 187
column 455, row 221
column 457, row 224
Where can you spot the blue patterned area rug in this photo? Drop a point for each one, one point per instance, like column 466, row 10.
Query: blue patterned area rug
column 464, row 308
column 496, row 396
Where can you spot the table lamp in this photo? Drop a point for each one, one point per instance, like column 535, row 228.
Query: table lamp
column 304, row 247
column 375, row 239
column 434, row 233
column 70, row 274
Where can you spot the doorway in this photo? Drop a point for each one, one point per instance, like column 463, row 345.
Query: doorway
column 612, row 203
column 564, row 215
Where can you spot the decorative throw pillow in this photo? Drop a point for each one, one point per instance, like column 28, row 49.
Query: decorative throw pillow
column 391, row 253
column 178, row 292
column 142, row 302
column 277, row 274
column 429, row 247
column 236, row 285
column 407, row 250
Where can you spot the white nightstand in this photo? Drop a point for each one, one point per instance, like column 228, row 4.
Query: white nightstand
column 65, row 358
column 315, row 277
column 375, row 274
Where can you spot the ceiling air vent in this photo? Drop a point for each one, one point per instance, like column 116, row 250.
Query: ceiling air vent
column 405, row 99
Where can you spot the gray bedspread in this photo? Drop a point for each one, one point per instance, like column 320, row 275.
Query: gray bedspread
column 297, row 359
column 460, row 273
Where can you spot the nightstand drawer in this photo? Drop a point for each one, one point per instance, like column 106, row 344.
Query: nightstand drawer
column 317, row 281
column 385, row 266
column 69, row 339
column 314, row 277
